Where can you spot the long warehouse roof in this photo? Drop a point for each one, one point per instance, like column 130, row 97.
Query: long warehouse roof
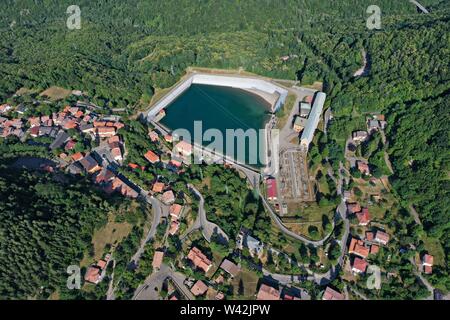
column 313, row 119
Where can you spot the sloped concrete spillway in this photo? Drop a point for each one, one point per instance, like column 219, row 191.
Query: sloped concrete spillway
column 222, row 103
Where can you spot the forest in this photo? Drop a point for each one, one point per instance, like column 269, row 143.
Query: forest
column 127, row 51
column 46, row 226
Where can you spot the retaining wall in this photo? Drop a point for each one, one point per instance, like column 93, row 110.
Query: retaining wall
column 220, row 80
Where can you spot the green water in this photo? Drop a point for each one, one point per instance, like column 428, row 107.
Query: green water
column 220, row 108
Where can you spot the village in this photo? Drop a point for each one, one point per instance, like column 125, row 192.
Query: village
column 63, row 131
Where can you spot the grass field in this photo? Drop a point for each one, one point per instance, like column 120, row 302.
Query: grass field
column 56, row 93
column 112, row 233
column 250, row 282
column 434, row 248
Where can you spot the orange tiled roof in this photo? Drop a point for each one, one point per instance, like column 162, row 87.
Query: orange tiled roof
column 151, row 156
column 363, row 216
column 357, row 247
column 331, row 294
column 268, row 293
column 360, row 265
column 157, row 259
column 199, row 259
column 175, row 210
column 199, row 288
column 158, row 187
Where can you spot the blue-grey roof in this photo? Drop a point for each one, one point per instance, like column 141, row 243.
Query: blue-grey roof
column 313, row 119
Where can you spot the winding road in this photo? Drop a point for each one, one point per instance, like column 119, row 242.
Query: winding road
column 208, row 228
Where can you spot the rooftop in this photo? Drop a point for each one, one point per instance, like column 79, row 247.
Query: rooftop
column 268, row 293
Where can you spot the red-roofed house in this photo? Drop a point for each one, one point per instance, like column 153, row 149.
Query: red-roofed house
column 104, row 176
column 271, row 189
column 229, row 267
column 184, row 148
column 34, row 121
column 427, row 260
column 427, row 263
column 93, row 275
column 168, row 197
column 70, row 124
column 151, row 157
column 113, row 139
column 133, row 165
column 157, row 260
column 268, row 293
column 428, row 269
column 168, row 138
column 174, row 226
column 353, row 207
column 357, row 247
column 89, row 164
column 363, row 168
column 99, row 123
column 199, row 259
column 70, row 145
column 77, row 156
column 119, row 125
column 381, row 237
column 158, row 187
column 175, row 210
column 105, row 132
column 153, row 136
column 331, row 294
column 359, row 265
column 363, row 217
column 102, row 264
column 34, row 131
column 175, row 163
column 116, row 154
column 199, row 288
column 374, row 249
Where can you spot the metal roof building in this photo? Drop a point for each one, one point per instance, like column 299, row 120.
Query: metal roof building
column 313, row 119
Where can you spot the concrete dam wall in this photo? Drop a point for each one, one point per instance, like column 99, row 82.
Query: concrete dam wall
column 220, row 80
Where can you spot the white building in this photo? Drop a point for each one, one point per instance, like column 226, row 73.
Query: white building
column 313, row 119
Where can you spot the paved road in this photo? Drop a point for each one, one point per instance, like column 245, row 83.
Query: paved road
column 288, row 232
column 421, row 7
column 110, row 293
column 425, row 282
column 151, row 287
column 330, row 275
column 159, row 210
column 208, row 228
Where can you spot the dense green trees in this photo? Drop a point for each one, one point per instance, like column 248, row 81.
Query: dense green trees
column 125, row 50
column 45, row 227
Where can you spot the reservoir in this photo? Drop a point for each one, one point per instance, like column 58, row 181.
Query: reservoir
column 221, row 108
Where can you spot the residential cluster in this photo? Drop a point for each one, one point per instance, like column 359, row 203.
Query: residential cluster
column 359, row 249
column 66, row 131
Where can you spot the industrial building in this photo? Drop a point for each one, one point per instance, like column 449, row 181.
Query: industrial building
column 313, row 120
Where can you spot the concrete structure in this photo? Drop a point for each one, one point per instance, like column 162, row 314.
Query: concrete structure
column 313, row 119
column 240, row 82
